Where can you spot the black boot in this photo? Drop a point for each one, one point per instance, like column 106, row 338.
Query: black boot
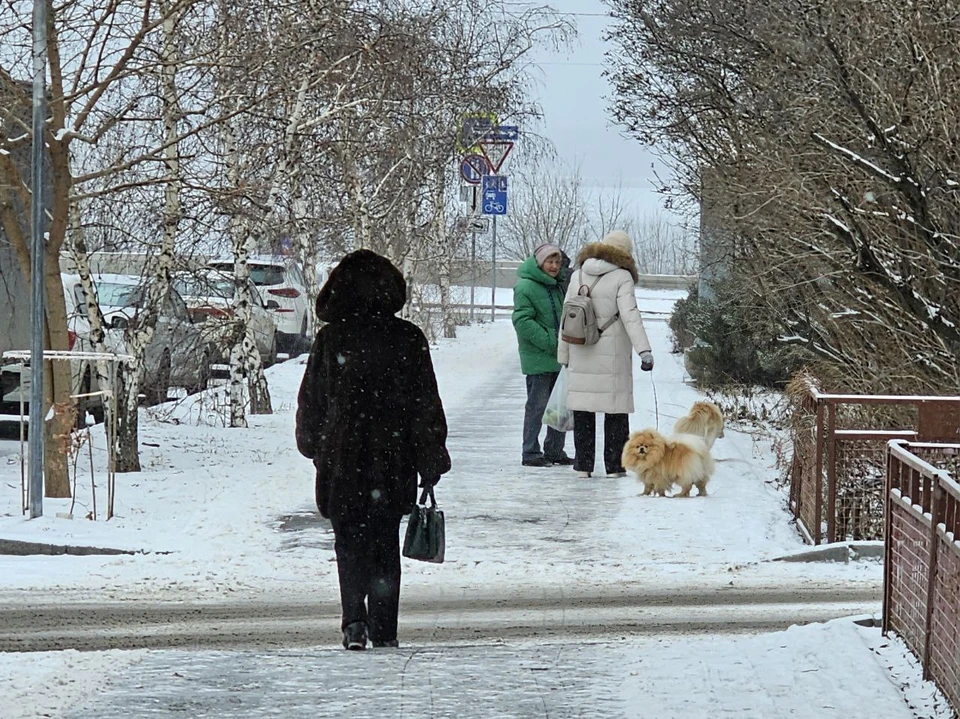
column 355, row 636
column 538, row 462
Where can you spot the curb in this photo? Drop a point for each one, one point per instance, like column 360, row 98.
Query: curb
column 841, row 552
column 23, row 549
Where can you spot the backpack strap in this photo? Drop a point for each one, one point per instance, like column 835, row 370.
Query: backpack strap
column 609, row 322
column 590, row 286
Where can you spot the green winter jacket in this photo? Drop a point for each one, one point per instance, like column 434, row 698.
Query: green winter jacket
column 537, row 306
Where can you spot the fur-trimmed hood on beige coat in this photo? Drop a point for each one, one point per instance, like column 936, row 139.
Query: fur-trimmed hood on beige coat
column 601, row 376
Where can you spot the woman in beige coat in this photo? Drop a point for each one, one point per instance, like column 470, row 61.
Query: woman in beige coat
column 600, row 376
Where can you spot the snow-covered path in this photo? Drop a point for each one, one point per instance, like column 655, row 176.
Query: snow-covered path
column 234, row 508
column 603, row 524
column 540, row 607
column 827, row 671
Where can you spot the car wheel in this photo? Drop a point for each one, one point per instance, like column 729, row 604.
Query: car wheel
column 158, row 392
column 203, row 378
column 304, row 344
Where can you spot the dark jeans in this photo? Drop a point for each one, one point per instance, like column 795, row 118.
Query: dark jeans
column 616, row 432
column 368, row 561
column 539, row 387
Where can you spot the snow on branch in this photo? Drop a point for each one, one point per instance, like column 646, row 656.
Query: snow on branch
column 859, row 159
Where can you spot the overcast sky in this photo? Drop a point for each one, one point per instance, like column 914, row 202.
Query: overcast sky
column 576, row 98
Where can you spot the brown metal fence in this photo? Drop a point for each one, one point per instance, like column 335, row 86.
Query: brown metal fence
column 839, row 441
column 921, row 589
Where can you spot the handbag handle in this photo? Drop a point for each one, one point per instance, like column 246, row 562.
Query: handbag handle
column 428, row 492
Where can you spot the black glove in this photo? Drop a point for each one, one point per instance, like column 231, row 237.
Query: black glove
column 646, row 361
column 426, row 482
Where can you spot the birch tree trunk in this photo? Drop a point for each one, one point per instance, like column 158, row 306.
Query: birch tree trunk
column 239, row 237
column 245, row 360
column 158, row 284
column 406, row 264
column 443, row 246
column 306, row 244
column 97, row 333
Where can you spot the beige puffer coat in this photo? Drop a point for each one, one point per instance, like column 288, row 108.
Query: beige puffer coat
column 601, row 375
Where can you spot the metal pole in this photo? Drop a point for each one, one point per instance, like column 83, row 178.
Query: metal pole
column 24, row 487
column 493, row 289
column 36, row 258
column 473, row 271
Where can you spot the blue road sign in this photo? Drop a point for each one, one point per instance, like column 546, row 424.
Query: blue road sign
column 493, row 195
column 503, row 133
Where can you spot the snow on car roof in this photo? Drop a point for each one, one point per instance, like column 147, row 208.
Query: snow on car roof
column 111, row 278
column 256, row 260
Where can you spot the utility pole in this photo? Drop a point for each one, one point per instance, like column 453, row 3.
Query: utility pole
column 36, row 257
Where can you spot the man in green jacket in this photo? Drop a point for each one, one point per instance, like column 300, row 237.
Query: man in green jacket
column 537, row 305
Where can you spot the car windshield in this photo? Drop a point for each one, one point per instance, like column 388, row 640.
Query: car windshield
column 260, row 274
column 221, row 287
column 111, row 294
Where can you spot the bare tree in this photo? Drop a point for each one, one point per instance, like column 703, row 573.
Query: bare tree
column 826, row 168
column 93, row 54
column 547, row 205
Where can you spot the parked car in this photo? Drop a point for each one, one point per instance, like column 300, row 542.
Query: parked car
column 15, row 334
column 14, row 320
column 280, row 279
column 209, row 296
column 177, row 356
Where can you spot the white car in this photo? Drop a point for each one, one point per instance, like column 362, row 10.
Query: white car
column 177, row 355
column 209, row 296
column 280, row 279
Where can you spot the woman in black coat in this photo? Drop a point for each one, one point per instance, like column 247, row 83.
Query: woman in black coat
column 371, row 419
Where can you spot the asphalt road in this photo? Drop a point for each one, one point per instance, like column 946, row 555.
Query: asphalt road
column 130, row 625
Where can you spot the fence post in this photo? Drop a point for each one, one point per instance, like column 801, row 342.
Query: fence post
column 936, row 513
column 796, row 482
column 831, row 473
column 893, row 464
column 818, row 502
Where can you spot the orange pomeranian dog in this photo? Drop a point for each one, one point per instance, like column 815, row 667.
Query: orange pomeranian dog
column 704, row 420
column 660, row 461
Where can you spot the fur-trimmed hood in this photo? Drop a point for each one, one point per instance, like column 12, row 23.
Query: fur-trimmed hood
column 363, row 284
column 611, row 254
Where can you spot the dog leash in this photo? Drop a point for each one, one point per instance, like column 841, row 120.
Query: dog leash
column 656, row 406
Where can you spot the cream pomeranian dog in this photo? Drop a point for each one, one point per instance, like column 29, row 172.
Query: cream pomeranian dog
column 703, row 420
column 661, row 461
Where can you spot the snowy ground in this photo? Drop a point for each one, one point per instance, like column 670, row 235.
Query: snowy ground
column 228, row 514
column 214, row 498
column 827, row 671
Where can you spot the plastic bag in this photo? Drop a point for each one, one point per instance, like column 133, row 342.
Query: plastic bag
column 557, row 414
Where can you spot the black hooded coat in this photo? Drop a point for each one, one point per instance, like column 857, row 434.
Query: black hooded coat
column 369, row 413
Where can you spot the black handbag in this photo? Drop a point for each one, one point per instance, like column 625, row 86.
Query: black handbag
column 426, row 535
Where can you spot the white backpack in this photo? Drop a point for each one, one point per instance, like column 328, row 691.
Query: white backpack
column 579, row 323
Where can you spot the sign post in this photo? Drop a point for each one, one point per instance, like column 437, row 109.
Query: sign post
column 485, row 145
column 36, row 259
column 473, row 271
column 493, row 288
